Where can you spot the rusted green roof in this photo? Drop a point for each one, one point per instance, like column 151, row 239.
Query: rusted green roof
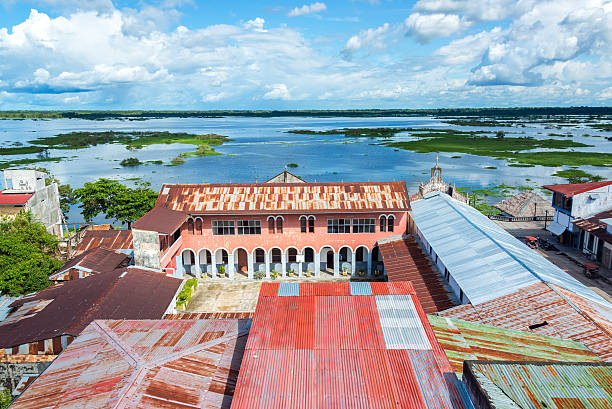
column 539, row 385
column 463, row 340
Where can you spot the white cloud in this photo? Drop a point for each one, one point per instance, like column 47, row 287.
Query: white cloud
column 277, row 91
column 256, row 24
column 308, row 9
column 481, row 10
column 370, row 38
column 605, row 94
column 425, row 27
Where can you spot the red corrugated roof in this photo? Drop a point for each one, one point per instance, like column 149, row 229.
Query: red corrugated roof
column 108, row 239
column 315, row 345
column 405, row 261
column 285, row 197
column 144, row 364
column 14, row 198
column 566, row 315
column 571, row 189
column 160, row 219
column 96, row 260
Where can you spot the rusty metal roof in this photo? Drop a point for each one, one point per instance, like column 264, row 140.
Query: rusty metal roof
column 572, row 189
column 539, row 385
column 108, row 239
column 405, row 261
column 285, row 197
column 321, row 345
column 65, row 309
column 548, row 310
column 209, row 316
column 464, row 340
column 160, row 219
column 144, row 364
column 94, row 261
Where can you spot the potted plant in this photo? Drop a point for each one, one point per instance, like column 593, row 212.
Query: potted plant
column 308, row 272
column 345, row 270
column 291, row 272
column 361, row 272
column 222, row 271
column 274, row 274
column 259, row 275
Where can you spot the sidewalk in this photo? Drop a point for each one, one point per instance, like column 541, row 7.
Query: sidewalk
column 565, row 258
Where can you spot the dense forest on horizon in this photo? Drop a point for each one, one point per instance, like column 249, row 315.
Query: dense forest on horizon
column 515, row 112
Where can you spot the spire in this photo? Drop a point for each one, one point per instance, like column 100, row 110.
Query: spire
column 436, row 171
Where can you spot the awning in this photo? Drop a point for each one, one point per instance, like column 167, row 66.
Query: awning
column 555, row 228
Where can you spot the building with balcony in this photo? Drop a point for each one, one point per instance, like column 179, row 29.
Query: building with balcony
column 268, row 229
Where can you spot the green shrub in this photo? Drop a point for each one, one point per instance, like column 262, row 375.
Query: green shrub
column 274, row 274
column 130, row 162
column 5, row 398
column 259, row 275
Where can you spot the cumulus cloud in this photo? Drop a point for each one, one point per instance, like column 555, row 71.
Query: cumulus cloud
column 425, row 27
column 256, row 24
column 370, row 38
column 277, row 91
column 308, row 9
column 481, row 10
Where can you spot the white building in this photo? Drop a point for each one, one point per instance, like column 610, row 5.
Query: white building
column 26, row 190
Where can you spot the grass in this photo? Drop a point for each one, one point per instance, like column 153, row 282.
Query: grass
column 490, row 167
column 292, row 165
column 568, row 158
column 577, row 176
column 20, row 162
column 21, row 150
column 603, row 127
column 130, row 162
column 476, row 122
column 177, row 161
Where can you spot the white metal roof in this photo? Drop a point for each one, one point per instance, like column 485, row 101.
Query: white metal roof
column 485, row 260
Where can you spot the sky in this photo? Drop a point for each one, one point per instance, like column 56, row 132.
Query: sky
column 250, row 54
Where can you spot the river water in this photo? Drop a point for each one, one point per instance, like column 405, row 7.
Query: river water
column 260, row 149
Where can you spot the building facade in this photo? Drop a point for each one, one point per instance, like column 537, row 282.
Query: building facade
column 26, row 190
column 285, row 229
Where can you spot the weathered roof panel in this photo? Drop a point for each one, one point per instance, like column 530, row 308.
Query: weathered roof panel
column 149, row 363
column 14, row 198
column 108, row 239
column 572, row 189
column 161, row 220
column 284, row 197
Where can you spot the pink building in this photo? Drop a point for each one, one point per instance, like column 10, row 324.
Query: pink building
column 271, row 228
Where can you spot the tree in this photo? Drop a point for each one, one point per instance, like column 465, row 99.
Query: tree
column 27, row 255
column 115, row 200
column 500, row 134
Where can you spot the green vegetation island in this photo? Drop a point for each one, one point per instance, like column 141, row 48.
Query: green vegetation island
column 515, row 112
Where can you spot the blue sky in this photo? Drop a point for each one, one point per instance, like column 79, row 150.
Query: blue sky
column 189, row 54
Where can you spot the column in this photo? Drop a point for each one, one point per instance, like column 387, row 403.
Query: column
column 284, row 263
column 353, row 263
column 231, row 267
column 369, row 272
column 267, row 258
column 179, row 266
column 317, row 263
column 213, row 260
column 250, row 267
column 197, row 271
column 336, row 264
column 300, row 268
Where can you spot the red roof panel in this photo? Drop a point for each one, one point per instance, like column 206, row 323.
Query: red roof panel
column 14, row 198
column 571, row 189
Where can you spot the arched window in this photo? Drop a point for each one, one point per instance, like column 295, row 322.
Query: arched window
column 271, row 225
column 390, row 223
column 383, row 223
column 360, row 255
column 344, row 254
column 198, row 226
column 292, row 255
column 303, row 223
column 190, row 226
column 311, row 224
column 308, row 255
column 205, row 257
column 279, row 224
column 276, row 256
column 260, row 256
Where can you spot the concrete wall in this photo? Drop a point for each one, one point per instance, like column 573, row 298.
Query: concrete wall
column 10, row 373
column 23, row 180
column 45, row 207
column 592, row 202
column 146, row 249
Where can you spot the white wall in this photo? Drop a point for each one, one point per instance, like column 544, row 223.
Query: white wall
column 592, row 202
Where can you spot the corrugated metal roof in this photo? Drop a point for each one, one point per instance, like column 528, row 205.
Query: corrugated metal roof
column 66, row 309
column 161, row 220
column 548, row 311
column 94, row 261
column 571, row 189
column 485, row 260
column 540, row 385
column 464, row 340
column 405, row 261
column 151, row 363
column 209, row 316
column 325, row 348
column 14, row 198
column 285, row 197
column 5, row 302
column 108, row 239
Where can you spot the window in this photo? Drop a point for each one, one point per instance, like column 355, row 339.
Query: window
column 260, row 256
column 338, row 225
column 383, row 223
column 249, row 227
column 190, row 226
column 308, row 255
column 591, row 242
column 311, row 224
column 276, row 256
column 292, row 255
column 303, row 222
column 391, row 220
column 223, row 227
column 279, row 225
column 271, row 225
column 198, row 226
column 364, row 226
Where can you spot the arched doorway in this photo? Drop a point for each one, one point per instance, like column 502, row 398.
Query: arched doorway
column 241, row 260
column 205, row 259
column 308, row 265
column 222, row 261
column 292, row 261
column 377, row 264
column 361, row 261
column 276, row 260
column 188, row 259
column 346, row 261
column 327, row 260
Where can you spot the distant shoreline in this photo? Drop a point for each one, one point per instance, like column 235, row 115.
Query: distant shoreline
column 448, row 112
